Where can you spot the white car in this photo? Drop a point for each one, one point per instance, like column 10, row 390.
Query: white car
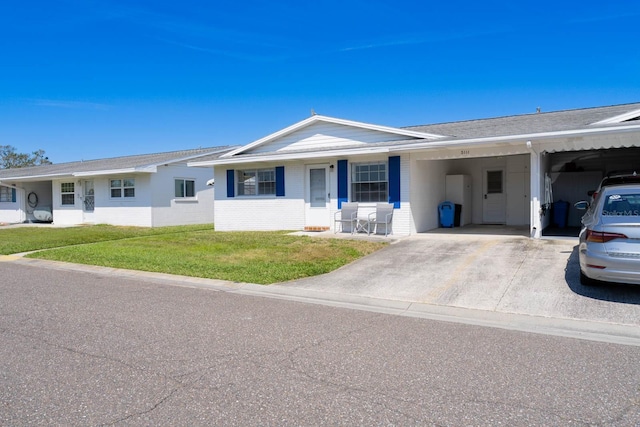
column 610, row 237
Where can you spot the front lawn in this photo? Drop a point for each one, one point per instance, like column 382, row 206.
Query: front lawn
column 253, row 257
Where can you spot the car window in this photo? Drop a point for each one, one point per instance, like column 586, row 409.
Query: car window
column 621, row 205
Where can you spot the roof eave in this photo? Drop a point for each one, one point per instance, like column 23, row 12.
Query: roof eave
column 280, row 156
column 518, row 137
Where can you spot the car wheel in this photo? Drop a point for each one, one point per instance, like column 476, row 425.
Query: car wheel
column 587, row 281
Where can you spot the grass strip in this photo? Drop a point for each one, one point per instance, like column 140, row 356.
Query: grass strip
column 25, row 239
column 252, row 257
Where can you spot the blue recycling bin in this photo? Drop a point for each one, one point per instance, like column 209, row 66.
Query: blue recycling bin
column 560, row 213
column 446, row 211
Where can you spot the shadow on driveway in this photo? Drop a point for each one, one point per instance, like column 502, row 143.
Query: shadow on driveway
column 606, row 291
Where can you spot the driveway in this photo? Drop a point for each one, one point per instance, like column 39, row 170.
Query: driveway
column 505, row 274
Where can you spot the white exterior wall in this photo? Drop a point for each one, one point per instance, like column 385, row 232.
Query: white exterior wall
column 168, row 210
column 12, row 212
column 262, row 213
column 133, row 212
column 288, row 213
column 427, row 192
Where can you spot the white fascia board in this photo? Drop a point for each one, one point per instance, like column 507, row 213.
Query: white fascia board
column 515, row 138
column 291, row 156
column 318, row 118
column 619, row 118
column 146, row 169
column 37, row 177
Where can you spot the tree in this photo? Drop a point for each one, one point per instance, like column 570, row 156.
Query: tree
column 9, row 158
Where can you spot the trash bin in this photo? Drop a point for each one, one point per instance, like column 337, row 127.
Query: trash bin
column 446, row 211
column 560, row 213
column 457, row 215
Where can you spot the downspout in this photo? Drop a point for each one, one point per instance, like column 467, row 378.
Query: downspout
column 23, row 210
column 535, row 211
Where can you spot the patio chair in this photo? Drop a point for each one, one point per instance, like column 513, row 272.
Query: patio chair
column 380, row 220
column 347, row 217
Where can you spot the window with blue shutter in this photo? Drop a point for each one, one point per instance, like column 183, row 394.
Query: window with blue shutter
column 394, row 181
column 13, row 195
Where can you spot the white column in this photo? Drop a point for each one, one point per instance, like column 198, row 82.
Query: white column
column 536, row 195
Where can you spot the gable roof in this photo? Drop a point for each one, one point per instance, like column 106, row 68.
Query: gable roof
column 143, row 163
column 314, row 119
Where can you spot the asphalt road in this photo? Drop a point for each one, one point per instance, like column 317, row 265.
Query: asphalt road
column 82, row 348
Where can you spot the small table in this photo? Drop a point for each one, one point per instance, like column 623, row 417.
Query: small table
column 362, row 225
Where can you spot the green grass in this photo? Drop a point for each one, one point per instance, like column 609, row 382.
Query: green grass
column 25, row 239
column 253, row 257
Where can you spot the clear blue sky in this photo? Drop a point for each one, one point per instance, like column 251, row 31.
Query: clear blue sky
column 85, row 79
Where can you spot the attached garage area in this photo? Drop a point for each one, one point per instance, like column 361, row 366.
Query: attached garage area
column 489, row 190
column 574, row 173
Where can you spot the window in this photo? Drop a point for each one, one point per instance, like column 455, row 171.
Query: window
column 256, row 182
column 185, row 188
column 6, row 194
column 494, row 182
column 123, row 188
column 622, row 205
column 67, row 193
column 369, row 182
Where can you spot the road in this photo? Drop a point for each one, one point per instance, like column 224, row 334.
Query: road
column 82, row 348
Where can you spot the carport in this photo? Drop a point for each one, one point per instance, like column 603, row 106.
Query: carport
column 491, row 185
column 574, row 173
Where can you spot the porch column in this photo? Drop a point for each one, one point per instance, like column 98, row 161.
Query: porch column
column 535, row 222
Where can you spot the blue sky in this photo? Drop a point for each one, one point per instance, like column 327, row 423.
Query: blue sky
column 85, row 79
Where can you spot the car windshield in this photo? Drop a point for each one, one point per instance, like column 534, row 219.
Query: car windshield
column 621, row 205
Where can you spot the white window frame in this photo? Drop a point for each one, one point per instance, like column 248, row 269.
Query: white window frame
column 183, row 188
column 122, row 188
column 259, row 183
column 67, row 192
column 359, row 176
column 6, row 194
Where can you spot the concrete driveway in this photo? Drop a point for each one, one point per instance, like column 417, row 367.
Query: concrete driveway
column 505, row 274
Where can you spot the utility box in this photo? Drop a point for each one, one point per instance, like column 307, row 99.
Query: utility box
column 458, row 191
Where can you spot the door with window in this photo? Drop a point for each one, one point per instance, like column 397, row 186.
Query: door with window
column 88, row 200
column 494, row 200
column 317, row 212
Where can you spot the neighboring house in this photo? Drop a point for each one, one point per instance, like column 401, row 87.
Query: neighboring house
column 505, row 170
column 148, row 190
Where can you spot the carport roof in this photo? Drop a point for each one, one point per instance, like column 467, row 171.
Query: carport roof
column 144, row 163
column 556, row 121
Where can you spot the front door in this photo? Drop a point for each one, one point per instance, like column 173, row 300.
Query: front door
column 494, row 200
column 88, row 200
column 317, row 213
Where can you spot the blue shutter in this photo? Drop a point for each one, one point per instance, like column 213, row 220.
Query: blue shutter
column 13, row 195
column 230, row 183
column 394, row 181
column 279, row 181
column 343, row 183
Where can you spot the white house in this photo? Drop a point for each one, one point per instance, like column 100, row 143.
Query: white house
column 505, row 170
column 148, row 190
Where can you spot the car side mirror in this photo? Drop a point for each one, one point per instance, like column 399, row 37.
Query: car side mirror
column 582, row 205
column 590, row 193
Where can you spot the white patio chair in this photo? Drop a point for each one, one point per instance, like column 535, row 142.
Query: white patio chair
column 347, row 217
column 380, row 220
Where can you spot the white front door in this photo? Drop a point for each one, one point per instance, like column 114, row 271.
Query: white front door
column 317, row 213
column 88, row 200
column 494, row 200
